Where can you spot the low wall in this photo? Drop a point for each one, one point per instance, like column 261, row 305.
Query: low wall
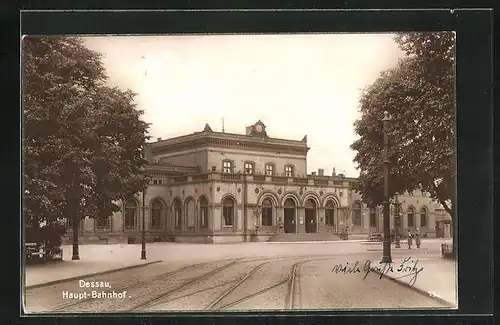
column 91, row 239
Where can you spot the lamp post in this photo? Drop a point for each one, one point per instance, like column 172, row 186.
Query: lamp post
column 397, row 221
column 386, row 258
column 143, row 250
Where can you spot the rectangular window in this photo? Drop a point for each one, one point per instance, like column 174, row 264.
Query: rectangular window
column 289, row 171
column 248, row 168
column 227, row 167
column 159, row 181
column 269, row 170
column 155, row 181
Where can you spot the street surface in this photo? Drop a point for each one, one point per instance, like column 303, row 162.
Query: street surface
column 261, row 277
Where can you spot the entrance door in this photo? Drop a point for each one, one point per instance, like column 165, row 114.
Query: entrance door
column 289, row 211
column 310, row 216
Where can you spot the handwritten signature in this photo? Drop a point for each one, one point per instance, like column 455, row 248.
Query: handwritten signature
column 407, row 267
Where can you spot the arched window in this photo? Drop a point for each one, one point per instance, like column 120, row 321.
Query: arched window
column 373, row 217
column 423, row 217
column 289, row 204
column 203, row 213
column 411, row 217
column 310, row 204
column 228, row 212
column 178, row 214
column 190, row 213
column 330, row 213
column 356, row 218
column 156, row 214
column 131, row 213
column 267, row 212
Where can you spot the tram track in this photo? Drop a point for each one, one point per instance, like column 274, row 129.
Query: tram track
column 291, row 279
column 160, row 298
column 217, row 304
column 163, row 276
column 290, row 299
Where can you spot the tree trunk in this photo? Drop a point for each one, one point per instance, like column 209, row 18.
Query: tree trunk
column 454, row 216
column 76, row 229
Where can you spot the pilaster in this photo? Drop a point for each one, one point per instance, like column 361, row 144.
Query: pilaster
column 300, row 220
column 321, row 222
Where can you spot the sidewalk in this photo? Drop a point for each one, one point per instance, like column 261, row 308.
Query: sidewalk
column 437, row 278
column 93, row 259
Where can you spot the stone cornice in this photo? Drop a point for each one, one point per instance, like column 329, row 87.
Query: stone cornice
column 241, row 142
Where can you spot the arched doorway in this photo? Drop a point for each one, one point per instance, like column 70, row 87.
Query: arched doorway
column 289, row 211
column 310, row 216
column 330, row 217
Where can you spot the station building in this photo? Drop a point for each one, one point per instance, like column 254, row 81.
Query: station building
column 218, row 187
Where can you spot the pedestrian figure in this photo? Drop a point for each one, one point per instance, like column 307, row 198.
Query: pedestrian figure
column 409, row 239
column 417, row 238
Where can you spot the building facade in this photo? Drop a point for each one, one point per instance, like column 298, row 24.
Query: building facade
column 217, row 187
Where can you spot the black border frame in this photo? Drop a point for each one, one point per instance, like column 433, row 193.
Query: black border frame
column 474, row 29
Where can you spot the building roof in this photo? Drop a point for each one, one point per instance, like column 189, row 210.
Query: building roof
column 208, row 137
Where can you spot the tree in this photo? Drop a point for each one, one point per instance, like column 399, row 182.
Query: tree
column 419, row 94
column 83, row 141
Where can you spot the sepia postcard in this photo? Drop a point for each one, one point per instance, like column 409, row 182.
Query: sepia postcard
column 226, row 172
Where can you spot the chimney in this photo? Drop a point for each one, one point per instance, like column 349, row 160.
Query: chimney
column 158, row 139
column 321, row 172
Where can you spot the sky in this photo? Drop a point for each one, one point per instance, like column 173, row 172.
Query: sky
column 301, row 84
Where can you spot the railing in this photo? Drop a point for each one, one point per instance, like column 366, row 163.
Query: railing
column 301, row 181
column 201, row 177
column 231, row 177
column 259, row 178
column 181, row 179
column 280, row 179
column 321, row 182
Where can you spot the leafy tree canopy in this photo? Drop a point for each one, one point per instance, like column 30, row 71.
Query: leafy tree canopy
column 83, row 140
column 419, row 95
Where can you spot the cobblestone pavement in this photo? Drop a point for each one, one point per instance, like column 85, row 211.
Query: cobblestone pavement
column 316, row 280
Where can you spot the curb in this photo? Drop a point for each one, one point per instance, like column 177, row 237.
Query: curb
column 313, row 242
column 397, row 249
column 418, row 290
column 34, row 286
